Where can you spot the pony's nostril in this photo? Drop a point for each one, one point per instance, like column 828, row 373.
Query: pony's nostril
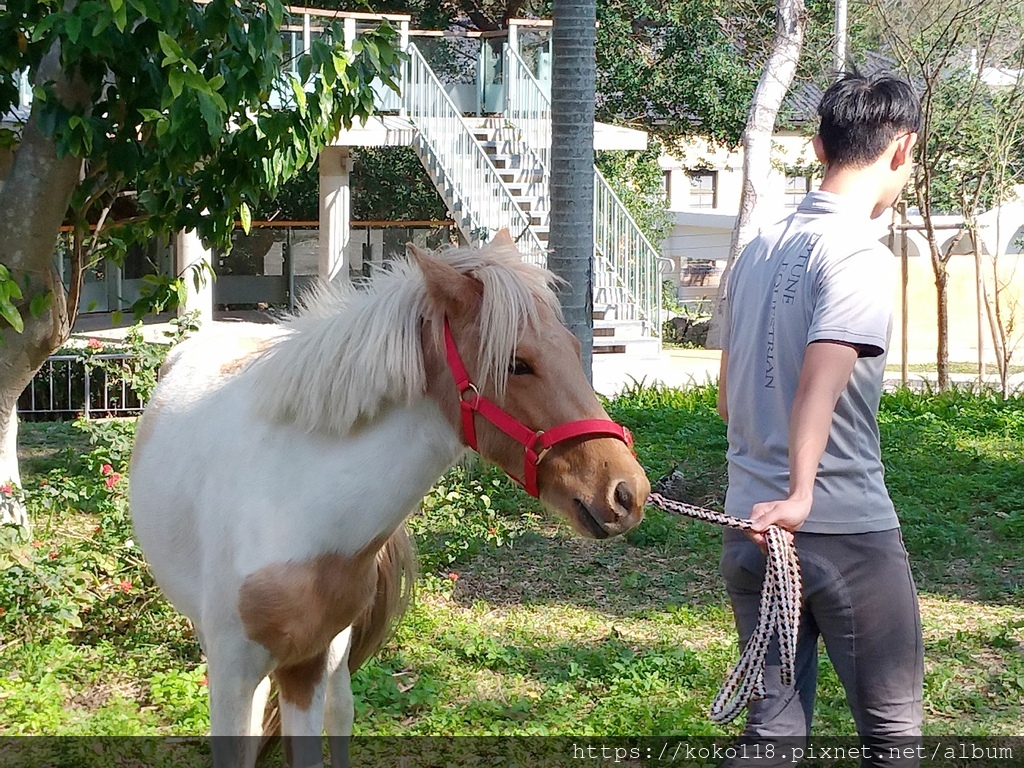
column 624, row 498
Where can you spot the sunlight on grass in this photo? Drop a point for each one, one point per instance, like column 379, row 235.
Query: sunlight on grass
column 519, row 626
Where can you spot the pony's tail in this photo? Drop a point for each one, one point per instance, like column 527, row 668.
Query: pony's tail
column 396, row 574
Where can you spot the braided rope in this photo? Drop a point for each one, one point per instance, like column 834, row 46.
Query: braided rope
column 778, row 612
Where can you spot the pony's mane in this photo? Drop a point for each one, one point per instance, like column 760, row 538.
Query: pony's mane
column 350, row 352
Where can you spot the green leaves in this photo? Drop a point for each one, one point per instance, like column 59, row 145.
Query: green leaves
column 246, row 216
column 40, row 303
column 10, row 291
column 192, row 106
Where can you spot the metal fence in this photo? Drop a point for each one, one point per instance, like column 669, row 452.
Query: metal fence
column 69, row 386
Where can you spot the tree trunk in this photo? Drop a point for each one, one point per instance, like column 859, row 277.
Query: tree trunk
column 942, row 303
column 790, row 23
column 33, row 205
column 571, row 239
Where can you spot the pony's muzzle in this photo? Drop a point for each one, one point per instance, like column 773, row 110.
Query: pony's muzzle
column 618, row 511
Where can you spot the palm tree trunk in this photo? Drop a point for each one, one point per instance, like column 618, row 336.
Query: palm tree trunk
column 571, row 239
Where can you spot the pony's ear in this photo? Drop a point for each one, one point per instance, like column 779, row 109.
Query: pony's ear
column 503, row 237
column 457, row 293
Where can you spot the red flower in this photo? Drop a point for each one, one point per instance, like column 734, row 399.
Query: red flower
column 204, row 681
column 492, row 531
column 2, row 610
column 7, row 489
column 125, row 586
column 106, row 469
column 95, row 344
column 37, row 543
column 112, row 480
column 453, row 576
column 53, row 555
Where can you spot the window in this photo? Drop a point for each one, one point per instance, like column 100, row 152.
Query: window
column 703, row 189
column 797, row 187
column 668, row 186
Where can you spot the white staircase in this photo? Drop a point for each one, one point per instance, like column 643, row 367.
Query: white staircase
column 493, row 173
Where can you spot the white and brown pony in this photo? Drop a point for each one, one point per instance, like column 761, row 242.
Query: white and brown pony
column 275, row 465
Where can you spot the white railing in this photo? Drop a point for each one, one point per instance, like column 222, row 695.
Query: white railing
column 485, row 204
column 631, row 265
column 528, row 108
column 627, row 266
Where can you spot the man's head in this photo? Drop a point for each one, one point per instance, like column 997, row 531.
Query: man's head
column 869, row 125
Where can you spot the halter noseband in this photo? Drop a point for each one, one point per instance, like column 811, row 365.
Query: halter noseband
column 535, row 442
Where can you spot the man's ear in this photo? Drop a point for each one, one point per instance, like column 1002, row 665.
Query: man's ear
column 819, row 149
column 904, row 152
column 458, row 294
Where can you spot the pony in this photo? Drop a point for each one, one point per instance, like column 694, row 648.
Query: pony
column 274, row 467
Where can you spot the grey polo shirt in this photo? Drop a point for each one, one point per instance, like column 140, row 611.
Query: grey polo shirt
column 816, row 276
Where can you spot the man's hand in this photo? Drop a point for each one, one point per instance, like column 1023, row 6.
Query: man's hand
column 789, row 514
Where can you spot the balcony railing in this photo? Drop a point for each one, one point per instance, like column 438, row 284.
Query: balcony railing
column 480, row 200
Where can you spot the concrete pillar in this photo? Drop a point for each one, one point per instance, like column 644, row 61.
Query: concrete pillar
column 189, row 250
column 335, row 212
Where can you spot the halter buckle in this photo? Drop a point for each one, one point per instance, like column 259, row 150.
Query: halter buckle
column 475, row 402
column 543, row 451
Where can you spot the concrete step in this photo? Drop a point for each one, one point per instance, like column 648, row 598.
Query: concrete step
column 521, row 176
column 619, row 329
column 642, row 347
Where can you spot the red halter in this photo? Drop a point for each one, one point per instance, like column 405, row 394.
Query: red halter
column 535, row 442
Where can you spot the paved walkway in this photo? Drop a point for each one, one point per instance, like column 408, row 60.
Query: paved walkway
column 673, row 367
column 612, row 372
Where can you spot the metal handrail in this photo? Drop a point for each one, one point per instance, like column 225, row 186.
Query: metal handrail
column 621, row 248
column 485, row 203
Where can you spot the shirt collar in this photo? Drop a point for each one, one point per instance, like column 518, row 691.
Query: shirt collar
column 823, row 202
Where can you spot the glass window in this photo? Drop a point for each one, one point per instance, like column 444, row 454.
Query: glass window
column 797, row 187
column 703, row 189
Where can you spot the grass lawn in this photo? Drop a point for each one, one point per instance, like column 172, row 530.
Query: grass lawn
column 519, row 627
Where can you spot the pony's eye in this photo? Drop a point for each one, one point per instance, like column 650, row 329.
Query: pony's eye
column 519, row 367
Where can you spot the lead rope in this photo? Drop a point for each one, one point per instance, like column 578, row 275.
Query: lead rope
column 778, row 612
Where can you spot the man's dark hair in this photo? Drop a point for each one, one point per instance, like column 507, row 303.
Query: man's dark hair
column 861, row 114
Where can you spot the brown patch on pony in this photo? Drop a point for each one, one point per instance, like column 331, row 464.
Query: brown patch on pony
column 251, row 349
column 295, row 609
column 297, row 682
column 396, row 574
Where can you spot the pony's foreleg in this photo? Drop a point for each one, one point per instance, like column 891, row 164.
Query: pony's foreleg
column 235, row 670
column 259, row 706
column 302, row 690
column 340, row 713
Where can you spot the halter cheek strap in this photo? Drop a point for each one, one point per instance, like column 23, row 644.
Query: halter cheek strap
column 536, row 443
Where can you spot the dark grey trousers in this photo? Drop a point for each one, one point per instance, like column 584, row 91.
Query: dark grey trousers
column 859, row 597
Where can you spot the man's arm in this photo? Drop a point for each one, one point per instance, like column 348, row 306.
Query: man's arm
column 824, row 375
column 723, row 405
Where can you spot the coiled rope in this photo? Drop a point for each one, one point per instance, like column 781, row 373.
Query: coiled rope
column 778, row 612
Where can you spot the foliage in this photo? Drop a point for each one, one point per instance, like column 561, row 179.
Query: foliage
column 389, row 183
column 184, row 104
column 639, row 182
column 471, row 508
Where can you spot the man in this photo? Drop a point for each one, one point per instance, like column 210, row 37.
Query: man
column 805, row 333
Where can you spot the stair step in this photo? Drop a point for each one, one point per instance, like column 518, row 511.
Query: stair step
column 643, row 347
column 520, row 176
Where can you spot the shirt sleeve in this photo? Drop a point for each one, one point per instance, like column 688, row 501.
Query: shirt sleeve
column 853, row 303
